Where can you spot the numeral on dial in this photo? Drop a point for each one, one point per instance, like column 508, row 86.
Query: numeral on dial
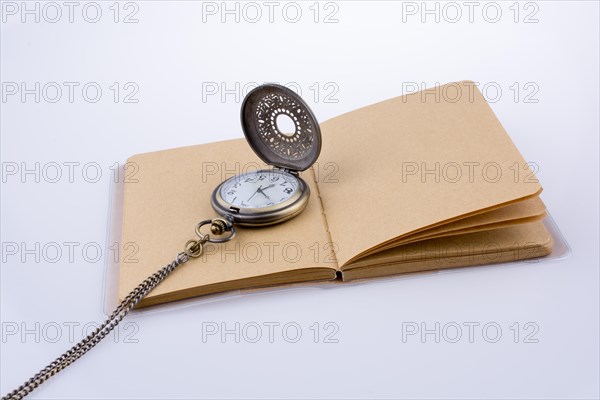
column 259, row 189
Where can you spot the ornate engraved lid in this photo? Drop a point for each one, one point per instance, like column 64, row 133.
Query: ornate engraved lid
column 295, row 148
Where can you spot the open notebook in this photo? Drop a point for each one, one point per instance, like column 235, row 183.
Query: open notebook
column 410, row 184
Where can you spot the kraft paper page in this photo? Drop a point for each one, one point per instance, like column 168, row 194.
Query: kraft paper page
column 380, row 151
column 170, row 194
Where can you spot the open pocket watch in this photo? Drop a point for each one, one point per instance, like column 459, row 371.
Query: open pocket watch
column 258, row 198
column 269, row 196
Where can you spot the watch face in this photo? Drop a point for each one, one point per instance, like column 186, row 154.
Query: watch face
column 259, row 189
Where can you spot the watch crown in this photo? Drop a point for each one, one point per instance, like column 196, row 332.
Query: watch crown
column 218, row 227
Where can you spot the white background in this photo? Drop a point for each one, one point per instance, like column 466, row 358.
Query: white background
column 369, row 51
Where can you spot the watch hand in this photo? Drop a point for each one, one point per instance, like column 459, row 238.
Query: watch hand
column 257, row 190
column 260, row 190
column 264, row 194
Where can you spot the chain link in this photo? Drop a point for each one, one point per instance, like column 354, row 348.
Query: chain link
column 193, row 249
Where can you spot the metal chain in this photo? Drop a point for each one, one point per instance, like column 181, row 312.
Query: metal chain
column 193, row 249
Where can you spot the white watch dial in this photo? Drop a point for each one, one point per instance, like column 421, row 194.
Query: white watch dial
column 258, row 189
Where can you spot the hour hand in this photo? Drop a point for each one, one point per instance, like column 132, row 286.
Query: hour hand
column 263, row 193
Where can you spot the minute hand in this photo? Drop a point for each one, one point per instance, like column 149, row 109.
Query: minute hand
column 266, row 187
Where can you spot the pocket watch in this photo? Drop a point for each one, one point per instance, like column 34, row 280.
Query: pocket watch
column 257, row 198
column 270, row 196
